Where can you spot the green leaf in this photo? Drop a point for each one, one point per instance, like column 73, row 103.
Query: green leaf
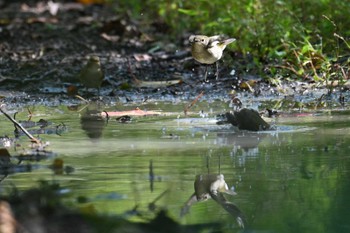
column 188, row 12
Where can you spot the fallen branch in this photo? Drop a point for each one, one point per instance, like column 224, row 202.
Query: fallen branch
column 135, row 112
column 156, row 84
column 32, row 138
column 193, row 103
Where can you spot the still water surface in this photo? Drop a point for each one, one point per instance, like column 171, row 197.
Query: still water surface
column 294, row 179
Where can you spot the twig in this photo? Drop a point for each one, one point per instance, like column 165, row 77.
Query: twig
column 345, row 77
column 193, row 103
column 81, row 98
column 152, row 205
column 288, row 68
column 4, row 177
column 313, row 68
column 32, row 138
column 342, row 38
column 136, row 80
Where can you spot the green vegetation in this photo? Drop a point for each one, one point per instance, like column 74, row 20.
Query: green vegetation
column 298, row 39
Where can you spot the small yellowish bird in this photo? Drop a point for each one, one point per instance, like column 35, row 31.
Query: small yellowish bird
column 208, row 50
column 91, row 76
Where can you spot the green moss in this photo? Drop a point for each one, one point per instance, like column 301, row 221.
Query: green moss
column 281, row 32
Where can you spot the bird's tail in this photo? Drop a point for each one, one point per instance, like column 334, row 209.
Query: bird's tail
column 224, row 43
column 228, row 41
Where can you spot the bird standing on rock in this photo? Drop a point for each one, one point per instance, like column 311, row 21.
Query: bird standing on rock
column 91, row 76
column 208, row 50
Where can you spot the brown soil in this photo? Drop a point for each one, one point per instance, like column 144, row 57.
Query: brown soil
column 42, row 52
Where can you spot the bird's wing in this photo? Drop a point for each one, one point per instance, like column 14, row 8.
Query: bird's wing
column 230, row 208
column 214, row 38
column 186, row 208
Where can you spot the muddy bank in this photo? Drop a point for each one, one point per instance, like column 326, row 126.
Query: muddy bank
column 44, row 47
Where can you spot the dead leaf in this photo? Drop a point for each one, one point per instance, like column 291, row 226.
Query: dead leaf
column 41, row 20
column 72, row 90
column 53, row 7
column 110, row 37
column 142, row 57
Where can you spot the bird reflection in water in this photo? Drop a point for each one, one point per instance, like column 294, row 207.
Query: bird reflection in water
column 92, row 123
column 213, row 186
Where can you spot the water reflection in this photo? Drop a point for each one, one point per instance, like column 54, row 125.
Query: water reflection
column 294, row 179
column 92, row 123
column 212, row 186
column 246, row 142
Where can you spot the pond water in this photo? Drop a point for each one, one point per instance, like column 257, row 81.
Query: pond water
column 293, row 179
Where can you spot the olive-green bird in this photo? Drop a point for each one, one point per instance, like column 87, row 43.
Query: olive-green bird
column 91, row 76
column 208, row 50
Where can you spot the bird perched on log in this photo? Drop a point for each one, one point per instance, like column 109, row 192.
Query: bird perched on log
column 208, row 50
column 91, row 76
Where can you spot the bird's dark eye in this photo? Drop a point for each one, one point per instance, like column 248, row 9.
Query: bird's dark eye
column 202, row 40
